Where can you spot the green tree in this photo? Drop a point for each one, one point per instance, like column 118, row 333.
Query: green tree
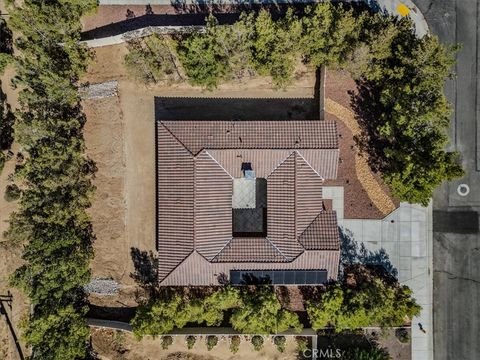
column 203, row 57
column 275, row 46
column 59, row 334
column 373, row 301
column 280, row 342
column 262, row 313
column 215, row 305
column 330, row 33
column 158, row 317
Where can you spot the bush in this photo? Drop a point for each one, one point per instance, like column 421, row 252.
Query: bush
column 257, row 342
column 302, row 343
column 235, row 343
column 151, row 60
column 166, row 341
column 280, row 342
column 366, row 354
column 191, row 340
column 402, row 335
column 12, row 192
column 212, row 341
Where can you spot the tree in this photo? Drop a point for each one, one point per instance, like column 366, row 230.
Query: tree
column 51, row 222
column 363, row 299
column 156, row 318
column 203, row 57
column 330, row 33
column 280, row 342
column 262, row 313
column 217, row 303
column 60, row 334
column 275, row 46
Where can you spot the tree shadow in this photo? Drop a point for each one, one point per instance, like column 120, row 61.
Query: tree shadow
column 368, row 109
column 146, row 270
column 7, row 120
column 352, row 253
column 6, row 38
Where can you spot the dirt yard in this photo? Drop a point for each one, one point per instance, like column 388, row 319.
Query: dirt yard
column 120, row 138
column 11, row 255
column 111, row 345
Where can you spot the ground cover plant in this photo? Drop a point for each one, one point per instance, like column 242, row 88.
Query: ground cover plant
column 400, row 103
column 51, row 222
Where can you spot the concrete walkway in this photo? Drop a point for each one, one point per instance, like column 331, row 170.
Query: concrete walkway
column 406, row 237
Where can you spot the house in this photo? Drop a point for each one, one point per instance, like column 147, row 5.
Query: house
column 241, row 201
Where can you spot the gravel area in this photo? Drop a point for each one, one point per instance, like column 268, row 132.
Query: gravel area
column 102, row 287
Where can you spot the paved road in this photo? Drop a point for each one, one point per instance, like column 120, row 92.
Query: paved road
column 456, row 250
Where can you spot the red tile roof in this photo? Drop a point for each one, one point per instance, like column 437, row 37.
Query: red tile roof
column 197, row 161
column 299, row 134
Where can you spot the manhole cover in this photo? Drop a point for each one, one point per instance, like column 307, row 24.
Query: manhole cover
column 463, row 189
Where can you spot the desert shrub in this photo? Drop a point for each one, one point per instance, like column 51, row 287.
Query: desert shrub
column 280, row 342
column 191, row 340
column 257, row 342
column 212, row 341
column 12, row 192
column 151, row 60
column 166, row 341
column 366, row 354
column 402, row 335
column 235, row 343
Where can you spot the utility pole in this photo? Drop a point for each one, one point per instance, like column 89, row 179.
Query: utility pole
column 8, row 299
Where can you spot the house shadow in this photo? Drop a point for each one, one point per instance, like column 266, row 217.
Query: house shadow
column 353, row 252
column 196, row 108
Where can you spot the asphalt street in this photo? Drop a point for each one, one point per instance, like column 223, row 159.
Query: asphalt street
column 456, row 248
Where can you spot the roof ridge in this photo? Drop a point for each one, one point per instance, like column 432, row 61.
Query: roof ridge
column 310, row 165
column 206, row 152
column 221, row 250
column 280, row 164
column 276, row 248
column 176, row 138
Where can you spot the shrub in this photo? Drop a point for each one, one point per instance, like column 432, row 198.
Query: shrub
column 12, row 193
column 280, row 342
column 150, row 60
column 212, row 341
column 235, row 343
column 191, row 340
column 402, row 335
column 166, row 341
column 257, row 342
column 302, row 343
column 366, row 354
